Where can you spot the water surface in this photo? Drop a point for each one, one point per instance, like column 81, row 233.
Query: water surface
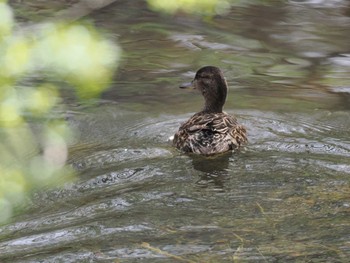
column 284, row 198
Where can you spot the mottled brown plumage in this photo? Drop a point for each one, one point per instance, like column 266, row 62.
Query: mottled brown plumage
column 211, row 130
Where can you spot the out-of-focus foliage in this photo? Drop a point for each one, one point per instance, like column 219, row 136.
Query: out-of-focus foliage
column 201, row 7
column 33, row 143
column 6, row 19
column 206, row 8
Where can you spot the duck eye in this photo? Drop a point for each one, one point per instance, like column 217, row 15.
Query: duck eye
column 207, row 80
column 205, row 76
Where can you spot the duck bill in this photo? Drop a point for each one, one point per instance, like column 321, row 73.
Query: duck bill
column 188, row 85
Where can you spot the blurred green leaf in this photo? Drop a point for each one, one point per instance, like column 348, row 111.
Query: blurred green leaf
column 6, row 20
column 33, row 145
column 204, row 7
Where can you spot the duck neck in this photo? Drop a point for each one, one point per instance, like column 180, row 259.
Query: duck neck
column 214, row 102
column 212, row 108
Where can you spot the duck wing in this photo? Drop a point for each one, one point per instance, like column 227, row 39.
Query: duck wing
column 210, row 133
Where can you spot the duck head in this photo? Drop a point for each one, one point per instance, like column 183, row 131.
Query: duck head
column 211, row 83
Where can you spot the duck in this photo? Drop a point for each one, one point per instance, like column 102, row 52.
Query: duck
column 210, row 131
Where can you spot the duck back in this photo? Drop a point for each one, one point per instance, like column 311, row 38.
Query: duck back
column 210, row 133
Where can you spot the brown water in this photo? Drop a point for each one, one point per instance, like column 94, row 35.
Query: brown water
column 285, row 198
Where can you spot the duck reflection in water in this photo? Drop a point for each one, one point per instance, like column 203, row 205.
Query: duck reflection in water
column 213, row 170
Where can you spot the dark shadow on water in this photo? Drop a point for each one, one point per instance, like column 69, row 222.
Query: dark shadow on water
column 213, row 170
